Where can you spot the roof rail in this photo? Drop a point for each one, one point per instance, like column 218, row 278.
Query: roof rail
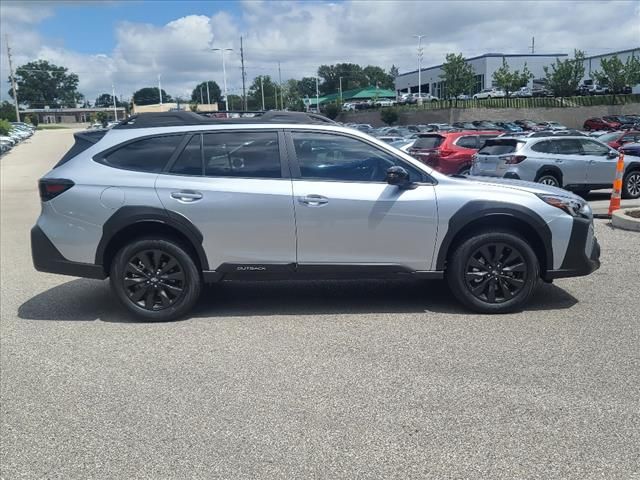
column 181, row 118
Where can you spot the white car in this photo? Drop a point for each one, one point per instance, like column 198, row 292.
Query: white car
column 10, row 140
column 489, row 93
column 348, row 107
column 384, row 102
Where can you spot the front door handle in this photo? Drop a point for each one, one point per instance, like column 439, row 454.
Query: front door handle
column 186, row 196
column 313, row 200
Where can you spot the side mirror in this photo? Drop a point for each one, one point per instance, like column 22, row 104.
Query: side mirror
column 398, row 176
column 612, row 154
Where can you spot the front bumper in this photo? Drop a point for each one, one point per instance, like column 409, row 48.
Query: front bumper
column 583, row 252
column 47, row 258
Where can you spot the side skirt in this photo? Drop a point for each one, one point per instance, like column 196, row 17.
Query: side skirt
column 293, row 271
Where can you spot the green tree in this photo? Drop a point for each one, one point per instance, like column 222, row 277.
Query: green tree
column 376, row 76
column 351, row 73
column 617, row 75
column 307, row 87
column 332, row 110
column 150, row 96
column 8, row 111
column 5, row 127
column 564, row 76
column 394, row 72
column 214, row 92
column 103, row 118
column 511, row 81
column 41, row 84
column 105, row 100
column 389, row 115
column 234, row 101
column 457, row 75
column 254, row 95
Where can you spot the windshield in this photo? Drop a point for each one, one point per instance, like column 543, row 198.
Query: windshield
column 609, row 137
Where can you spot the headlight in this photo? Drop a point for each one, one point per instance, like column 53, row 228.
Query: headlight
column 572, row 206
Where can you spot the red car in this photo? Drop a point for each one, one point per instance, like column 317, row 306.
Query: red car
column 450, row 152
column 617, row 139
column 598, row 123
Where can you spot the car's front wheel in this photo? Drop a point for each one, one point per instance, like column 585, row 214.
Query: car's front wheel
column 493, row 272
column 156, row 279
column 631, row 185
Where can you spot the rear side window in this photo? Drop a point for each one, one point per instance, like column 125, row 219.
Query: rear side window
column 429, row 141
column 146, row 155
column 468, row 142
column 242, row 154
column 545, row 147
column 499, row 146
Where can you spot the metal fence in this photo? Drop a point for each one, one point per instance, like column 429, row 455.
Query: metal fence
column 532, row 102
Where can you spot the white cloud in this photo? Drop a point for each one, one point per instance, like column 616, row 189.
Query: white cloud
column 304, row 35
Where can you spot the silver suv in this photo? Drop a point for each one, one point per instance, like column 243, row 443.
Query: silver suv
column 164, row 202
column 575, row 163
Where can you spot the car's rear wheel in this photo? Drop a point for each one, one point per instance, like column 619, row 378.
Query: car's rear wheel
column 465, row 171
column 631, row 185
column 493, row 272
column 549, row 179
column 156, row 279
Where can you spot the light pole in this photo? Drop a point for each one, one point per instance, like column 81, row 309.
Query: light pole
column 224, row 73
column 340, row 93
column 160, row 89
column 113, row 97
column 317, row 97
column 419, row 37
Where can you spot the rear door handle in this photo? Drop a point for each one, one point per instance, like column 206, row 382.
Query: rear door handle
column 186, row 196
column 313, row 200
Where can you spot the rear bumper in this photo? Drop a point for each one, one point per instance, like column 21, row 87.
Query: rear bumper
column 47, row 258
column 583, row 253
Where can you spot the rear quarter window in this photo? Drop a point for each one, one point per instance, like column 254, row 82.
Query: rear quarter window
column 146, row 155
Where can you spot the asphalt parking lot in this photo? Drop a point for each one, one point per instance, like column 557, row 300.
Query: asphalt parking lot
column 323, row 380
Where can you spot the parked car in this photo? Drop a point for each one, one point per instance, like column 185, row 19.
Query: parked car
column 579, row 164
column 384, row 102
column 464, row 125
column 348, row 107
column 511, row 127
column 440, row 127
column 489, row 93
column 600, row 123
column 136, row 203
column 486, row 125
column 528, row 125
column 631, row 149
column 523, row 92
column 541, row 92
column 426, row 97
column 623, row 120
column 618, row 139
column 404, row 145
column 450, row 152
column 554, row 133
column 390, row 138
column 552, row 126
column 463, row 97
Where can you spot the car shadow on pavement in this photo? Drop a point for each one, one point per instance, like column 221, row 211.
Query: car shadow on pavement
column 91, row 300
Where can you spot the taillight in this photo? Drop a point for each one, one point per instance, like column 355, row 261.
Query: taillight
column 513, row 159
column 52, row 187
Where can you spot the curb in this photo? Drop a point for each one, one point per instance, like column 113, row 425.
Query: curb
column 620, row 219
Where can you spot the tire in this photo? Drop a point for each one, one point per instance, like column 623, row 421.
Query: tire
column 548, row 178
column 465, row 170
column 631, row 185
column 145, row 293
column 471, row 267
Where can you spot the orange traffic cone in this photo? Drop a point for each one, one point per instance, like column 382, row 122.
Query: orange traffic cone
column 617, row 186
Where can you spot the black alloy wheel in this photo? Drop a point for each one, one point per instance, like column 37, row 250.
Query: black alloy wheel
column 153, row 279
column 496, row 273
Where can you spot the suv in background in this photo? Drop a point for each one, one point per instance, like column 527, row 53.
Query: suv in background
column 575, row 163
column 489, row 93
column 450, row 152
column 164, row 202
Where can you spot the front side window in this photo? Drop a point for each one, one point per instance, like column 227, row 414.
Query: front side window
column 334, row 157
column 241, row 154
column 593, row 148
column 146, row 155
column 568, row 146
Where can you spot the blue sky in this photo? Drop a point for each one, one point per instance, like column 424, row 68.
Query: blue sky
column 129, row 43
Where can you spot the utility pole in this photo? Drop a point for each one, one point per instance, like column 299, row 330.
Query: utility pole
column 533, row 45
column 341, row 93
column 317, row 97
column 244, row 75
column 113, row 97
column 201, row 97
column 275, row 90
column 419, row 37
column 160, row 89
column 13, row 81
column 280, row 83
column 262, row 90
column 208, row 96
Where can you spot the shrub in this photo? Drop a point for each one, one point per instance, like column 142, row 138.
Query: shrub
column 5, row 127
column 332, row 111
column 389, row 115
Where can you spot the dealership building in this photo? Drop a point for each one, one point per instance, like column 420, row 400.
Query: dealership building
column 485, row 65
